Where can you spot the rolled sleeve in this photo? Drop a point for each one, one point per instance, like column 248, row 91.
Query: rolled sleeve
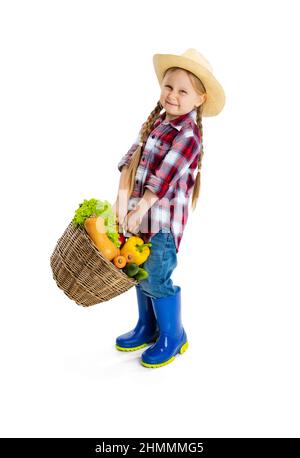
column 185, row 148
column 156, row 185
column 127, row 157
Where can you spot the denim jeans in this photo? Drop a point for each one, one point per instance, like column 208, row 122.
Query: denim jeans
column 160, row 265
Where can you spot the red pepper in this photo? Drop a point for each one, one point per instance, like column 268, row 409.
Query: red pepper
column 122, row 239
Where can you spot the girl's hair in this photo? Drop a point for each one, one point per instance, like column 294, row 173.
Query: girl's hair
column 147, row 128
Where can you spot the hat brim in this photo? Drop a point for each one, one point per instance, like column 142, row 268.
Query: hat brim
column 215, row 94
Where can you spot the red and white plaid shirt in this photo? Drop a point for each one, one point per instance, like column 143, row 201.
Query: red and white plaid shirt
column 167, row 165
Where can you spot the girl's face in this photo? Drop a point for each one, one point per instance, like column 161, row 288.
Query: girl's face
column 178, row 95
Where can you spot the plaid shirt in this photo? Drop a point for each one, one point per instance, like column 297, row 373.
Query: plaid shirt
column 168, row 161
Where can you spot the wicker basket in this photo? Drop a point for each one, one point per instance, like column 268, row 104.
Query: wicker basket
column 81, row 271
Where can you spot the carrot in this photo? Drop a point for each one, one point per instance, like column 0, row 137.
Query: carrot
column 129, row 257
column 119, row 261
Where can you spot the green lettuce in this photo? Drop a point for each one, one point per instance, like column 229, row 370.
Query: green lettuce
column 95, row 207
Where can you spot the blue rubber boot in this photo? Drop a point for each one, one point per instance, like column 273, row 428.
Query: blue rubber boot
column 146, row 329
column 172, row 338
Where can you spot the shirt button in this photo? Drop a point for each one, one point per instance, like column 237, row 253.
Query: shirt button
column 153, row 136
column 143, row 158
column 136, row 181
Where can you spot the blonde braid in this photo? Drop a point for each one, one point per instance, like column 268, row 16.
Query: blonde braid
column 196, row 190
column 145, row 131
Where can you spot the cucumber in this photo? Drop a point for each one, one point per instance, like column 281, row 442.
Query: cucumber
column 141, row 274
column 131, row 269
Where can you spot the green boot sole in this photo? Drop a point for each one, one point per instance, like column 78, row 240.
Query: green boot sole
column 182, row 350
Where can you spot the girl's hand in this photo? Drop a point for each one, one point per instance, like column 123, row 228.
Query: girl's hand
column 133, row 220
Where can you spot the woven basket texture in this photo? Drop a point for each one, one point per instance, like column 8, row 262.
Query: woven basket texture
column 81, row 271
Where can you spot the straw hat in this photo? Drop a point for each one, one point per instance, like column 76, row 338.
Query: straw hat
column 196, row 63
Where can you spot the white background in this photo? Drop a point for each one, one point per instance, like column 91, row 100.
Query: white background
column 77, row 81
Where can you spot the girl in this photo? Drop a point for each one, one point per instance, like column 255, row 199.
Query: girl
column 157, row 179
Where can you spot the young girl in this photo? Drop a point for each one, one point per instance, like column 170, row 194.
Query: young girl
column 157, row 179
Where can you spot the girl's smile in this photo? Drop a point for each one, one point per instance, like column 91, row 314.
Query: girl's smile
column 178, row 95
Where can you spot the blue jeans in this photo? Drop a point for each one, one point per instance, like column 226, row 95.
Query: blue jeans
column 160, row 265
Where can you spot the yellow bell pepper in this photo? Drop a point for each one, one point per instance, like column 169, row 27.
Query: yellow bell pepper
column 136, row 247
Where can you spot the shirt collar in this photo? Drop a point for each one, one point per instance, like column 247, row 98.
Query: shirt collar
column 179, row 121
